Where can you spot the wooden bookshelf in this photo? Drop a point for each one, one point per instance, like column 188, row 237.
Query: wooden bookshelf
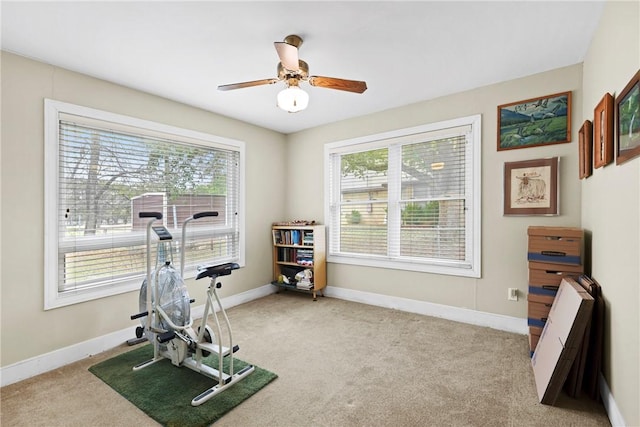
column 297, row 248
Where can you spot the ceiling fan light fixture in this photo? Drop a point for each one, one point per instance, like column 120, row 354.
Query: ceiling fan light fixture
column 293, row 99
column 292, row 70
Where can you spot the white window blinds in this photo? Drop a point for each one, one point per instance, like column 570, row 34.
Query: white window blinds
column 363, row 203
column 407, row 199
column 432, row 199
column 109, row 172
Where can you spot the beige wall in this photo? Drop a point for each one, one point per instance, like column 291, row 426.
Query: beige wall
column 28, row 330
column 611, row 209
column 504, row 239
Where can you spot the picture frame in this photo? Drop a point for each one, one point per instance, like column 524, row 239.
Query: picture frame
column 603, row 132
column 585, row 149
column 534, row 122
column 628, row 121
column 531, row 187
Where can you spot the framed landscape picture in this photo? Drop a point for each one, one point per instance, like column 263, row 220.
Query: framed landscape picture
column 603, row 132
column 628, row 121
column 533, row 122
column 531, row 187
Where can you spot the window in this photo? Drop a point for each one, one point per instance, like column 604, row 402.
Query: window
column 102, row 169
column 407, row 199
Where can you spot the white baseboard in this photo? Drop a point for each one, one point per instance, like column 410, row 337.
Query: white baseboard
column 47, row 362
column 464, row 315
column 615, row 417
column 53, row 360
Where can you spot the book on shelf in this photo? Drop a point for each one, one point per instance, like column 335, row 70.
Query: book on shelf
column 304, row 257
column 307, row 239
column 296, row 238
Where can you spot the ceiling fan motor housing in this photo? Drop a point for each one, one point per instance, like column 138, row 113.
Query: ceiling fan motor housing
column 301, row 73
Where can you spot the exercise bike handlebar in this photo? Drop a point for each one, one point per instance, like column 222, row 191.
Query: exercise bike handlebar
column 156, row 215
column 204, row 214
column 184, row 234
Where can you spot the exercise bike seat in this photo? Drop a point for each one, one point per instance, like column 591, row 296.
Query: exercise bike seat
column 214, row 271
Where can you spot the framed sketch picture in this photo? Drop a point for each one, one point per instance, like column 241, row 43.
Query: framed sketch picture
column 603, row 132
column 531, row 187
column 537, row 121
column 628, row 121
column 585, row 148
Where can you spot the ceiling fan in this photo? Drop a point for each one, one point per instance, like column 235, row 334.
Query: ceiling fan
column 292, row 70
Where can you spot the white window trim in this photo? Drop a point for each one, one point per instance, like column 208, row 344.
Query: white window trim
column 371, row 142
column 52, row 112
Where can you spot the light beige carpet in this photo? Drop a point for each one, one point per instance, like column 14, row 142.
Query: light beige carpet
column 339, row 364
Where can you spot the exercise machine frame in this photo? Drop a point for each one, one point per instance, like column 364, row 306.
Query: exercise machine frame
column 185, row 346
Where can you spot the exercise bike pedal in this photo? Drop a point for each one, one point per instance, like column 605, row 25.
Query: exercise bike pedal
column 166, row 337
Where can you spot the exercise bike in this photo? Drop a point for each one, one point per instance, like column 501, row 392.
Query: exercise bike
column 166, row 317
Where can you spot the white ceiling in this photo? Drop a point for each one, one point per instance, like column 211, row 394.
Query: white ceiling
column 406, row 51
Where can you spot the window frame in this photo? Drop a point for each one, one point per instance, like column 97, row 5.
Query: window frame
column 385, row 140
column 53, row 112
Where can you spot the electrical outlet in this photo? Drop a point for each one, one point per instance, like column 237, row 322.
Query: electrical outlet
column 512, row 294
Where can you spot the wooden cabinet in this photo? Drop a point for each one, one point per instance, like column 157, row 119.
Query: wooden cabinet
column 297, row 248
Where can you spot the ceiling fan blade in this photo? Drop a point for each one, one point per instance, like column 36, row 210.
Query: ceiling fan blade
column 339, row 84
column 288, row 54
column 248, row 84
